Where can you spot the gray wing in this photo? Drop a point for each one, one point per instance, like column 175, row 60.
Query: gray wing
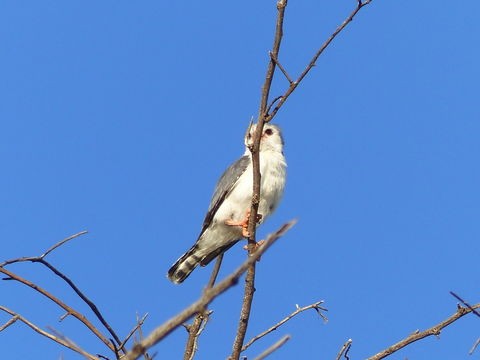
column 225, row 185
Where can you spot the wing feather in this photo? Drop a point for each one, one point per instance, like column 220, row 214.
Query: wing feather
column 225, row 185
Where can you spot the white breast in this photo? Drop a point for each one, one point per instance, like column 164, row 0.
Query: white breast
column 273, row 171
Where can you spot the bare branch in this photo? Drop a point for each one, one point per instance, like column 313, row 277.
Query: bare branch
column 273, row 348
column 274, row 58
column 255, row 151
column 417, row 335
column 208, row 295
column 315, row 306
column 61, row 243
column 64, row 306
column 315, row 57
column 201, row 319
column 9, row 322
column 344, row 350
column 57, row 339
column 40, row 259
column 139, row 323
column 281, row 5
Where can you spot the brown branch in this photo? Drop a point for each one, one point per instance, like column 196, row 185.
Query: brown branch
column 68, row 309
column 139, row 324
column 61, row 243
column 281, row 5
column 418, row 335
column 282, row 69
column 255, row 151
column 40, row 259
column 315, row 57
column 201, row 319
column 344, row 350
column 315, row 306
column 207, row 297
column 67, row 344
column 273, row 348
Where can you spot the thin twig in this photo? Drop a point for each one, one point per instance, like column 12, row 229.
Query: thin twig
column 207, row 297
column 200, row 321
column 273, row 348
column 344, row 349
column 64, row 306
column 314, row 59
column 315, row 306
column 215, row 271
column 60, row 243
column 280, row 67
column 417, row 335
column 273, row 102
column 474, row 347
column 139, row 323
column 255, row 151
column 12, row 320
column 48, row 335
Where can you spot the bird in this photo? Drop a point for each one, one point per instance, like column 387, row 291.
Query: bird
column 226, row 221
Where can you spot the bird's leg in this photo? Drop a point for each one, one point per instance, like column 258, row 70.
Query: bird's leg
column 244, row 223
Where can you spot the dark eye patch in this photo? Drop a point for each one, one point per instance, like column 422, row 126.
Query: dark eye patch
column 269, row 132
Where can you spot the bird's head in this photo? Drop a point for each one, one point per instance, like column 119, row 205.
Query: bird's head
column 271, row 139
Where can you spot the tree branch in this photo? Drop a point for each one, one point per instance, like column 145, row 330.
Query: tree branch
column 63, row 342
column 68, row 309
column 255, row 150
column 315, row 57
column 315, row 306
column 418, row 335
column 208, row 296
column 344, row 350
column 273, row 348
column 40, row 259
column 198, row 324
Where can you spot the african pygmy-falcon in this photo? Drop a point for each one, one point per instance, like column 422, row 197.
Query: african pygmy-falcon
column 226, row 221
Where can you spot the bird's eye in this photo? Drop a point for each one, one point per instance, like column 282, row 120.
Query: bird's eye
column 269, row 132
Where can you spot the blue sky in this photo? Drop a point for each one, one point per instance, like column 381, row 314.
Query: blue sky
column 118, row 118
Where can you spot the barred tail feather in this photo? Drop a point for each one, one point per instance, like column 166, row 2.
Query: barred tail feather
column 184, row 266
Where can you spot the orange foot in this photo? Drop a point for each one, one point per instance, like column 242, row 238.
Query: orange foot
column 243, row 223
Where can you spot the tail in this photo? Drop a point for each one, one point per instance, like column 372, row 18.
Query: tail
column 184, row 266
column 191, row 259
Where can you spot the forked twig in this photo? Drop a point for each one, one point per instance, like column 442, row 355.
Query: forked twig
column 67, row 308
column 294, row 84
column 315, row 306
column 41, row 259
